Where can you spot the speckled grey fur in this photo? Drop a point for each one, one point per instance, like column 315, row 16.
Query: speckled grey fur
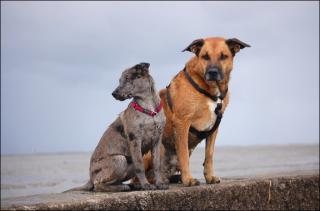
column 118, row 156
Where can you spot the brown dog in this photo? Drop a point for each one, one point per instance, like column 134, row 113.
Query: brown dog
column 194, row 103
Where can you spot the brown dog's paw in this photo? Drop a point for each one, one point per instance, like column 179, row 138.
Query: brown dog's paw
column 191, row 182
column 213, row 180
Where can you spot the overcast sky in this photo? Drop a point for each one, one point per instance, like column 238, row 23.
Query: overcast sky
column 60, row 61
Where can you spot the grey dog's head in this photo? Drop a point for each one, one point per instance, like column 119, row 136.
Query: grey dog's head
column 134, row 82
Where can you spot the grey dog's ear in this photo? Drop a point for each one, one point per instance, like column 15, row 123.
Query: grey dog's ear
column 143, row 68
column 235, row 45
column 195, row 46
column 144, row 65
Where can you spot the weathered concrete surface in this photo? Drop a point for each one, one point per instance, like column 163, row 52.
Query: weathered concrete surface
column 286, row 192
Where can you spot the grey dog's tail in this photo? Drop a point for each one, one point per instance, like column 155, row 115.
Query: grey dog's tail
column 86, row 187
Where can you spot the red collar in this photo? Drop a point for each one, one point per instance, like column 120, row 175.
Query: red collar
column 137, row 107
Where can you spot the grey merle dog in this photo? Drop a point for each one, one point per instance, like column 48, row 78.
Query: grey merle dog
column 119, row 155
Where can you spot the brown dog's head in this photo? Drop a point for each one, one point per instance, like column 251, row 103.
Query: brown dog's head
column 215, row 56
column 134, row 82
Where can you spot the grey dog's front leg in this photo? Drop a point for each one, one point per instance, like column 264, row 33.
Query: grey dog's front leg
column 156, row 161
column 135, row 150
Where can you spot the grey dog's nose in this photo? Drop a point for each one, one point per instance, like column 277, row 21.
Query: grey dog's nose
column 114, row 94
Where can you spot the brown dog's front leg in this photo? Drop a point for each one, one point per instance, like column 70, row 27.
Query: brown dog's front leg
column 136, row 155
column 208, row 162
column 182, row 130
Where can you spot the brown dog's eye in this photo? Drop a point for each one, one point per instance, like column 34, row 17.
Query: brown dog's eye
column 206, row 57
column 223, row 56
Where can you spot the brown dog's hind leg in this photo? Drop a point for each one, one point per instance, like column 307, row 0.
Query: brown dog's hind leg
column 176, row 178
column 208, row 162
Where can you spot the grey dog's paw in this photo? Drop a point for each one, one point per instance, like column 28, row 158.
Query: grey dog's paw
column 162, row 186
column 135, row 186
column 148, row 186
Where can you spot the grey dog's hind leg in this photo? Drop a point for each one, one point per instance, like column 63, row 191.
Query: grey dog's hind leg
column 115, row 171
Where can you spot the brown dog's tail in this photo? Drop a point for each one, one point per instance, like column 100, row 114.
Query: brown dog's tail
column 86, row 187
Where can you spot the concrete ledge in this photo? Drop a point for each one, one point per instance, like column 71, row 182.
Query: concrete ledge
column 294, row 192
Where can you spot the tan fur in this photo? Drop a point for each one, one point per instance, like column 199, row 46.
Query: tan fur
column 190, row 108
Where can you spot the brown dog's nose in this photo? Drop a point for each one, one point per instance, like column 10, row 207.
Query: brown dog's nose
column 213, row 73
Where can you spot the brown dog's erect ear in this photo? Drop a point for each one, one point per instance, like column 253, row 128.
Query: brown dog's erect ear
column 195, row 46
column 235, row 45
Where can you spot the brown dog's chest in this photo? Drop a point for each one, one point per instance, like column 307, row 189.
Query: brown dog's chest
column 205, row 117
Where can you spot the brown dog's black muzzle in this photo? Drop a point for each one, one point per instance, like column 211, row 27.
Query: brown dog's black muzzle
column 214, row 73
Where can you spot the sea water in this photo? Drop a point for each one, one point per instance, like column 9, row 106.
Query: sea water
column 23, row 175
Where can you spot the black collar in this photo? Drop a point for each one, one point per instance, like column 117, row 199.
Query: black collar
column 202, row 91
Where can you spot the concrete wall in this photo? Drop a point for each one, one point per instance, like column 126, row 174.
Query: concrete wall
column 298, row 192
